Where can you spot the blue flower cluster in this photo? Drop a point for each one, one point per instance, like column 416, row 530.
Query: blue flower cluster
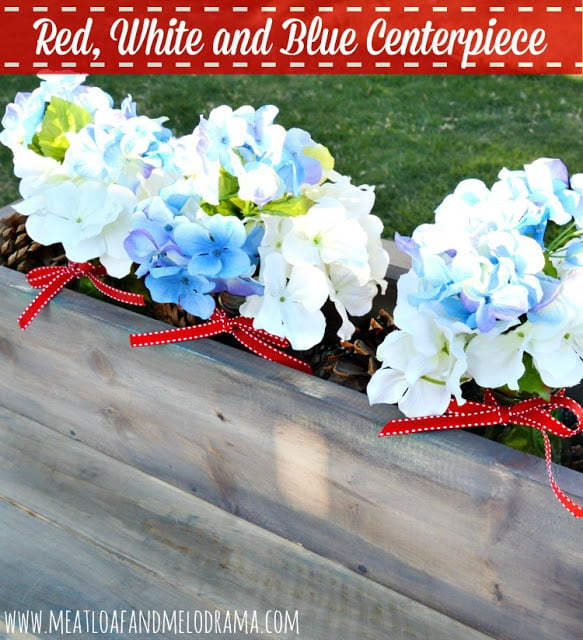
column 493, row 295
column 185, row 256
column 267, row 160
column 122, row 147
column 484, row 261
column 201, row 235
column 202, row 213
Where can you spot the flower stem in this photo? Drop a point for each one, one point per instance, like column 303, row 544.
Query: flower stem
column 561, row 240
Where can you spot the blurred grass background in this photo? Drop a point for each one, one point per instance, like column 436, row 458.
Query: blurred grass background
column 413, row 137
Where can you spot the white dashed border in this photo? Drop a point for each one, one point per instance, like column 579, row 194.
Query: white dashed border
column 350, row 8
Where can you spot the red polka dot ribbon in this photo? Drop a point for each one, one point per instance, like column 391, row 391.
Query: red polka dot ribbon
column 260, row 342
column 52, row 279
column 533, row 412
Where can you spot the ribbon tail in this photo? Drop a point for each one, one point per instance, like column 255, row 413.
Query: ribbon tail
column 178, row 334
column 265, row 350
column 117, row 294
column 43, row 298
column 572, row 507
column 447, row 421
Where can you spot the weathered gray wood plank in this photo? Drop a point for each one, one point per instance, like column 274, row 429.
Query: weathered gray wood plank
column 81, row 530
column 16, row 635
column 464, row 525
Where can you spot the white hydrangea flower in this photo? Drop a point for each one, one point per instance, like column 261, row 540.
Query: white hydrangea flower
column 422, row 368
column 36, row 173
column 497, row 360
column 91, row 219
column 347, row 251
column 357, row 200
column 556, row 350
column 349, row 297
column 276, row 229
column 259, row 183
column 556, row 330
column 326, row 235
column 378, row 256
column 291, row 302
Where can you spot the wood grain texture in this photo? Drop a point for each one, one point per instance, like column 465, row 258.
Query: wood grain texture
column 82, row 531
column 464, row 525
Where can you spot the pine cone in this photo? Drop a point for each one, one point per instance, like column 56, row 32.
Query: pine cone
column 177, row 316
column 351, row 363
column 172, row 314
column 19, row 252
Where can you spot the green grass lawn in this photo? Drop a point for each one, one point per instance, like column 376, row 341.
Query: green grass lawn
column 414, row 137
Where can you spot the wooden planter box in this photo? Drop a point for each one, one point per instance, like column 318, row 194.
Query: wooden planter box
column 198, row 475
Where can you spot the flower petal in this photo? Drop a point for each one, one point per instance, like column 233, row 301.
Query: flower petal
column 386, row 386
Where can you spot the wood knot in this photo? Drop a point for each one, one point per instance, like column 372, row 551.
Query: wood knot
column 116, row 418
column 101, row 365
column 7, row 349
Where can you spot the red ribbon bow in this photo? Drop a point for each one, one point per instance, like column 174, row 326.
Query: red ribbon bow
column 534, row 412
column 53, row 279
column 258, row 341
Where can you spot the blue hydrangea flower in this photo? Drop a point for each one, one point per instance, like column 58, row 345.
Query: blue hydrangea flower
column 252, row 243
column 264, row 140
column 145, row 250
column 215, row 248
column 185, row 258
column 540, row 193
column 22, row 118
column 150, row 244
column 245, row 285
column 259, row 183
column 573, row 253
column 176, row 285
column 242, row 286
column 485, row 280
column 297, row 168
column 220, row 134
column 70, row 87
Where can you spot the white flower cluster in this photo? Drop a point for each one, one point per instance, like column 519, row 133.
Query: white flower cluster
column 83, row 167
column 493, row 294
column 332, row 252
column 241, row 205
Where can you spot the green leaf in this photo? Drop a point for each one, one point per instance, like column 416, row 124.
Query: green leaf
column 227, row 207
column 246, row 207
column 519, row 437
column 531, row 441
column 209, row 209
column 228, row 185
column 531, row 381
column 86, row 287
column 290, row 206
column 549, row 268
column 61, row 117
column 35, row 146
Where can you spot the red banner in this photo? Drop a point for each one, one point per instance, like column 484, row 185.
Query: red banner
column 292, row 36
